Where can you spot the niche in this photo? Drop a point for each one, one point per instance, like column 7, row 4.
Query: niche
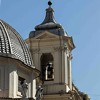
column 47, row 68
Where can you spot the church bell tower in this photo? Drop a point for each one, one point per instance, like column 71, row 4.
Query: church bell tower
column 51, row 49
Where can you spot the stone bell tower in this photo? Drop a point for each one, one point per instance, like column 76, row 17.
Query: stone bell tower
column 51, row 49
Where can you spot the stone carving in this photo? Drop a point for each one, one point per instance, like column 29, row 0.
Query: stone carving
column 56, row 48
column 39, row 93
column 23, row 88
column 60, row 48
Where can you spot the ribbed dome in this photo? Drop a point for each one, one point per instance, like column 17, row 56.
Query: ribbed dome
column 12, row 45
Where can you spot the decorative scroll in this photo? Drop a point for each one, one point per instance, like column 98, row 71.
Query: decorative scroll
column 60, row 48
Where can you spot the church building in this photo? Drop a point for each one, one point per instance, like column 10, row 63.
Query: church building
column 38, row 68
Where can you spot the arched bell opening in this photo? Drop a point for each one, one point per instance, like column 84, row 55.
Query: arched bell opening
column 47, row 68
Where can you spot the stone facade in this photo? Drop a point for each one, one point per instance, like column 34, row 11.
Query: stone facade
column 56, row 46
column 17, row 72
column 50, row 49
column 10, row 71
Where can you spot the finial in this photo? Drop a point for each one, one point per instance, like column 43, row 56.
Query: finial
column 49, row 3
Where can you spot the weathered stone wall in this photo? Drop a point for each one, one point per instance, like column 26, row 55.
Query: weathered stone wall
column 16, row 99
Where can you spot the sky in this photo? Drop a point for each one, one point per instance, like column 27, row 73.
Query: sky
column 80, row 19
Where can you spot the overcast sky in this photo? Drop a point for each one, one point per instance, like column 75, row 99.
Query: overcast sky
column 80, row 18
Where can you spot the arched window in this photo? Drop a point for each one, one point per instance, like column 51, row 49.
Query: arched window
column 47, row 69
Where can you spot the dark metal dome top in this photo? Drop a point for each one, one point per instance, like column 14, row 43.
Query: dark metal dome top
column 49, row 21
column 49, row 3
column 12, row 45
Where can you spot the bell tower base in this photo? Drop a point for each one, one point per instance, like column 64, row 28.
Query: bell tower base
column 57, row 97
column 56, row 88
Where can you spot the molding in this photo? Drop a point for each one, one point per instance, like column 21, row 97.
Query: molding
column 35, row 50
column 60, row 48
column 70, row 57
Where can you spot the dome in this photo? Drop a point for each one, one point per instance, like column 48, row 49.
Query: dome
column 49, row 24
column 12, row 45
column 49, row 21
